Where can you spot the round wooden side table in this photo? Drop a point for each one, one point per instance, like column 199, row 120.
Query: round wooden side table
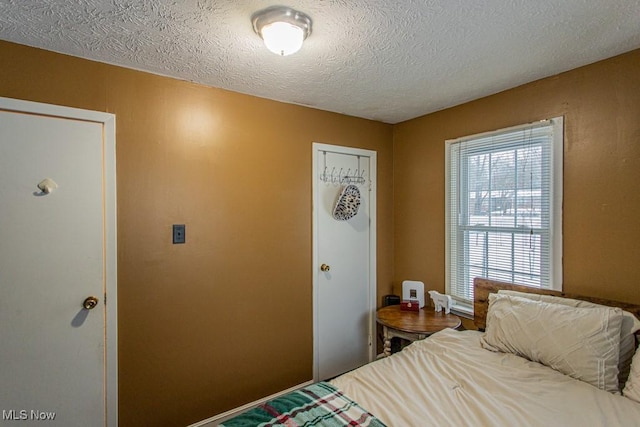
column 412, row 325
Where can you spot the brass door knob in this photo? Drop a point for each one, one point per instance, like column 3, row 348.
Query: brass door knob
column 90, row 303
column 325, row 267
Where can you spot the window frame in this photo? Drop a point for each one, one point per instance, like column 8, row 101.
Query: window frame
column 555, row 204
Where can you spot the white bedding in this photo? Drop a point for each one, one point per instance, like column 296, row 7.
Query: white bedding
column 449, row 379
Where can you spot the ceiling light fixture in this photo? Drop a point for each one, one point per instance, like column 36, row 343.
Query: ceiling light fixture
column 282, row 29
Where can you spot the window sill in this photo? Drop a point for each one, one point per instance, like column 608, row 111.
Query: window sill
column 462, row 311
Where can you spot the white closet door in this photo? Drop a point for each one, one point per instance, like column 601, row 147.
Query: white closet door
column 345, row 293
column 53, row 255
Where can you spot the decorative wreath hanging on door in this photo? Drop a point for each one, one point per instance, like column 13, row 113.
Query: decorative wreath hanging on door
column 347, row 204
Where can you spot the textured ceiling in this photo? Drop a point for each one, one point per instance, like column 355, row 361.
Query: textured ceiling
column 382, row 60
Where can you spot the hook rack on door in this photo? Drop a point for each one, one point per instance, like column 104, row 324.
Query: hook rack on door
column 342, row 177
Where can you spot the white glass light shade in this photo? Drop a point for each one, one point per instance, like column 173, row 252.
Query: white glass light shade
column 282, row 29
column 282, row 38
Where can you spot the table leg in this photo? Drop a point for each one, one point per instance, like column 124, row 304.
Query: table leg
column 387, row 341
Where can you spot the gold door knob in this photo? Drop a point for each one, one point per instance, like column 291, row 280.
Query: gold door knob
column 325, row 267
column 90, row 303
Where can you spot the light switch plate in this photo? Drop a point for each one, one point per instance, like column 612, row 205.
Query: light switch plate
column 179, row 233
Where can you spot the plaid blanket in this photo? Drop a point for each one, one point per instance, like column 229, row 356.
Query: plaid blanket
column 319, row 404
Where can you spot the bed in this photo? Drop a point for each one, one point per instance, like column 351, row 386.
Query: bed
column 539, row 358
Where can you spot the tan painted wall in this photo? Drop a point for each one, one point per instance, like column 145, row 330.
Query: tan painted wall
column 226, row 318
column 601, row 106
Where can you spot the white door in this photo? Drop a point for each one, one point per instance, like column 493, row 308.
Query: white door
column 344, row 261
column 57, row 247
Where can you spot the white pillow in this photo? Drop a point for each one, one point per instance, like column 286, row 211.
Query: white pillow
column 583, row 343
column 632, row 388
column 630, row 325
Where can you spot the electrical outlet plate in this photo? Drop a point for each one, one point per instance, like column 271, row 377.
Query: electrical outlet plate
column 179, row 233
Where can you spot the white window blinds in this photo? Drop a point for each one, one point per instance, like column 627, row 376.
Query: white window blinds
column 504, row 201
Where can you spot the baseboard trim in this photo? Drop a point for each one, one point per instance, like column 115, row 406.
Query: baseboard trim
column 220, row 418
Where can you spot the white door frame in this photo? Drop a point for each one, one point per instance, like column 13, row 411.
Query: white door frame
column 317, row 148
column 108, row 122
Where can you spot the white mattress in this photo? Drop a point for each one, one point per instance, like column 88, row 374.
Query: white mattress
column 449, row 379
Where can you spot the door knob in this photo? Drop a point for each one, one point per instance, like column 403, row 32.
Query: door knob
column 325, row 267
column 90, row 303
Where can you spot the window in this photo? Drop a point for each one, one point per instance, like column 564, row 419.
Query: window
column 503, row 208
